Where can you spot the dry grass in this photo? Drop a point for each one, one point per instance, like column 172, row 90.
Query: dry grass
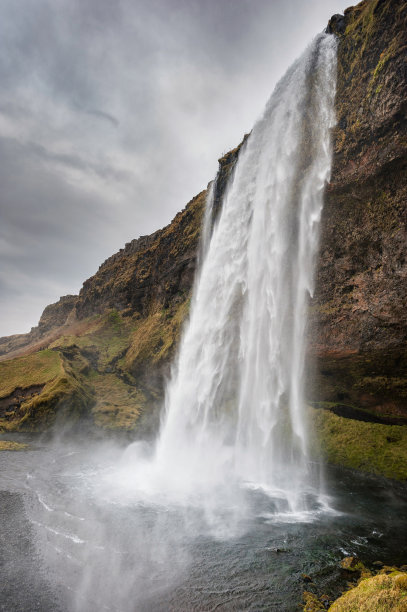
column 118, row 405
column 36, row 369
column 6, row 445
column 381, row 593
column 156, row 337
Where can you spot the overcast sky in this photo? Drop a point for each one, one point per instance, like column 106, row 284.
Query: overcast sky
column 113, row 114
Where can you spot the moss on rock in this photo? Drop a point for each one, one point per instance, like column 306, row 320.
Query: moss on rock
column 381, row 593
column 368, row 447
column 117, row 404
column 7, row 445
column 41, row 388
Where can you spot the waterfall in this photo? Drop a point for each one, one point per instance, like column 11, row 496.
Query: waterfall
column 234, row 407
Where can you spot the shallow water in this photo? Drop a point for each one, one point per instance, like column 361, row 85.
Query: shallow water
column 76, row 536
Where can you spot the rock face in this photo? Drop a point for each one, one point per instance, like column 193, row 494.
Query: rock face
column 359, row 311
column 52, row 319
column 56, row 315
column 117, row 338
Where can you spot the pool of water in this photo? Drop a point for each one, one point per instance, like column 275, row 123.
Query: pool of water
column 75, row 537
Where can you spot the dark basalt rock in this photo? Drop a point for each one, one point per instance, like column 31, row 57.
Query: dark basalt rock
column 336, row 25
column 358, row 322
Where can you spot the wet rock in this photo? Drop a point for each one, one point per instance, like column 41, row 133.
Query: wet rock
column 336, row 25
column 358, row 328
column 306, row 578
column 279, row 550
column 351, row 564
column 312, row 603
column 325, row 600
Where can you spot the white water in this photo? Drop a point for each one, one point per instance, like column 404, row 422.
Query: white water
column 235, row 402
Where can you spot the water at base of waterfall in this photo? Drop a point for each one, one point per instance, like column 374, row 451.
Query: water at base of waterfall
column 75, row 538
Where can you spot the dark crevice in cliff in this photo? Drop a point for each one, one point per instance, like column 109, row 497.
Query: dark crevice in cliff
column 357, row 414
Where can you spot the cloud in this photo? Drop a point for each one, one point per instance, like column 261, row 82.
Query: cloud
column 102, row 115
column 113, row 114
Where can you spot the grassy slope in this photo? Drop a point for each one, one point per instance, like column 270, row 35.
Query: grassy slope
column 6, row 445
column 368, row 447
column 116, row 402
column 118, row 405
column 383, row 593
column 64, row 390
column 155, row 337
column 23, row 372
column 92, row 372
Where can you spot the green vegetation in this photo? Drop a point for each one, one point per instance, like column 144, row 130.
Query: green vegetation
column 68, row 397
column 365, row 61
column 6, row 445
column 106, row 337
column 368, row 590
column 369, row 447
column 360, row 28
column 35, row 369
column 48, row 383
column 382, row 593
column 117, row 405
column 156, row 336
column 312, row 603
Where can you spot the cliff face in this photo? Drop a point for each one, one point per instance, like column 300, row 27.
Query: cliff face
column 115, row 341
column 359, row 311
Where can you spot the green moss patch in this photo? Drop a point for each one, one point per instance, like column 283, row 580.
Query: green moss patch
column 117, row 404
column 105, row 339
column 6, row 445
column 156, row 337
column 59, row 385
column 36, row 369
column 384, row 593
column 368, row 447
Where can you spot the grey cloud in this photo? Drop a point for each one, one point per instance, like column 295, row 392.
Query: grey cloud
column 77, row 162
column 102, row 115
column 113, row 116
